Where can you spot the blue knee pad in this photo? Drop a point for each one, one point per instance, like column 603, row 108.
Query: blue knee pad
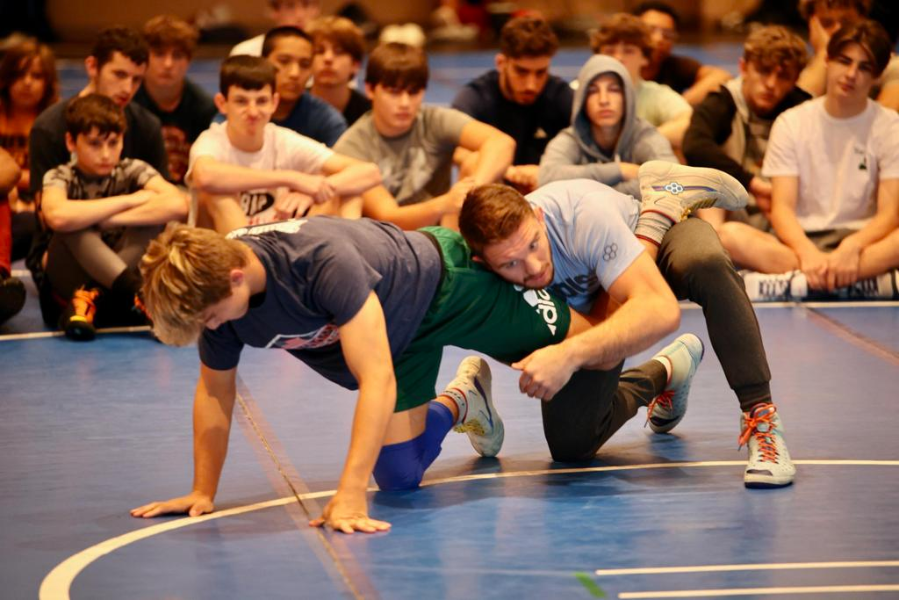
column 401, row 466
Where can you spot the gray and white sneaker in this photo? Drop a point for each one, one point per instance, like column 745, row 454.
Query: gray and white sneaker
column 684, row 355
column 670, row 192
column 882, row 287
column 471, row 390
column 774, row 287
column 769, row 464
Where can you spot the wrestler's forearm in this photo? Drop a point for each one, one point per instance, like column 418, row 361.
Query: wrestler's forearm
column 635, row 326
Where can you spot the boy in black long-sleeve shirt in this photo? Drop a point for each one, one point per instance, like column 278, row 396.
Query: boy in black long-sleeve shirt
column 730, row 128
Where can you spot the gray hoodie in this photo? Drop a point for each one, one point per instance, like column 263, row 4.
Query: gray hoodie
column 573, row 154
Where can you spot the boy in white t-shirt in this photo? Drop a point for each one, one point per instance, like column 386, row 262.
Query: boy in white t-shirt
column 833, row 166
column 248, row 170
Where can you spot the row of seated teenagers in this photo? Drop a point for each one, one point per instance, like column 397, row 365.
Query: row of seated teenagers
column 409, row 143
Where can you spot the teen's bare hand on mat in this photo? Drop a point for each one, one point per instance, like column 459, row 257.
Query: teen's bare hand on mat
column 544, row 372
column 348, row 513
column 195, row 504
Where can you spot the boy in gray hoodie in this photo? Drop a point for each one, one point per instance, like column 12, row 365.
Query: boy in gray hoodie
column 606, row 142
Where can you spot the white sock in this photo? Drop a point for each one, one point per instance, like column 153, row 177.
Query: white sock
column 458, row 397
column 667, row 364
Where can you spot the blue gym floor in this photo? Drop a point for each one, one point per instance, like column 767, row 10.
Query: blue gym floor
column 90, row 430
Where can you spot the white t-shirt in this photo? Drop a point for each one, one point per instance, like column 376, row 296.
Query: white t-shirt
column 839, row 162
column 251, row 47
column 658, row 104
column 282, row 149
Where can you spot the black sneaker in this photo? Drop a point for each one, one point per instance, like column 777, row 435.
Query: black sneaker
column 12, row 298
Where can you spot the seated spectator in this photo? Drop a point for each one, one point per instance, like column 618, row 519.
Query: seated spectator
column 413, row 145
column 730, row 128
column 183, row 108
column 102, row 211
column 607, row 141
column 833, row 166
column 627, row 39
column 28, row 86
column 12, row 292
column 284, row 13
column 824, row 18
column 290, row 51
column 520, row 97
column 115, row 69
column 248, row 170
column 338, row 50
column 687, row 76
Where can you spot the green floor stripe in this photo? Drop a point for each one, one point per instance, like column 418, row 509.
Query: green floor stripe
column 588, row 583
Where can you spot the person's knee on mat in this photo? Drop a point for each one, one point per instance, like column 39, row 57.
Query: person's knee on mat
column 572, row 451
column 399, row 466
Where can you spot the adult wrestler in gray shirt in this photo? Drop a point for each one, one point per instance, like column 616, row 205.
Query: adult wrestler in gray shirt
column 562, row 240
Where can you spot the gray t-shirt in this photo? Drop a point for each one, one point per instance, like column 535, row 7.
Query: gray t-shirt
column 591, row 231
column 127, row 177
column 319, row 272
column 416, row 165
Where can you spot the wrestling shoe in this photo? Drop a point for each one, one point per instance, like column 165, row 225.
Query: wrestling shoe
column 12, row 297
column 684, row 356
column 471, row 391
column 670, row 192
column 774, row 287
column 78, row 319
column 769, row 462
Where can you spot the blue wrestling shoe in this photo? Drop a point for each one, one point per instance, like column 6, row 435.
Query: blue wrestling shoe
column 471, row 390
column 684, row 356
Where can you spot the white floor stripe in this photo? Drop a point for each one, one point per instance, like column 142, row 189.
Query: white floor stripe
column 773, row 591
column 687, row 305
column 57, row 583
column 37, row 335
column 748, row 567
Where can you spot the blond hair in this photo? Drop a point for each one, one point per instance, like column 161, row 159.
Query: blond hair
column 186, row 270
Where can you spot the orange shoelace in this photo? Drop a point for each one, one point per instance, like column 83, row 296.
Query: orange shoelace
column 139, row 304
column 765, row 439
column 664, row 400
column 83, row 303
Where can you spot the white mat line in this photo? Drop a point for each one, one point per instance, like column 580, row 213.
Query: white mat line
column 748, row 567
column 57, row 583
column 37, row 335
column 773, row 591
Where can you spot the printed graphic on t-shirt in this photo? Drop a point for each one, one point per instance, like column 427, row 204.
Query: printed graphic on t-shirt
column 178, row 150
column 324, row 336
column 254, row 203
column 575, row 286
column 282, row 226
column 544, row 306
